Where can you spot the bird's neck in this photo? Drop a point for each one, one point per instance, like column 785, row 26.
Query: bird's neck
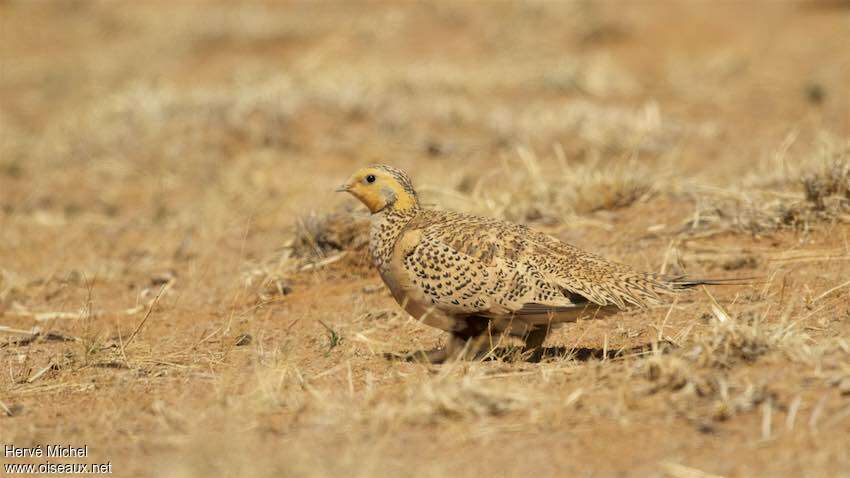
column 404, row 202
column 386, row 227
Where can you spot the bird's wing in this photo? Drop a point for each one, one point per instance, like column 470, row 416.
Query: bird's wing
column 467, row 265
column 599, row 280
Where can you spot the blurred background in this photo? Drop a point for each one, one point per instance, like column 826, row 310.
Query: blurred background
column 159, row 109
column 195, row 116
column 192, row 148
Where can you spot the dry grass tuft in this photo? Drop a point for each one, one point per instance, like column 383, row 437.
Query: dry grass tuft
column 449, row 398
column 828, row 188
column 744, row 339
column 551, row 191
column 702, row 393
column 729, row 341
column 669, row 373
column 710, row 380
column 318, row 236
column 814, row 190
column 316, row 241
column 270, row 279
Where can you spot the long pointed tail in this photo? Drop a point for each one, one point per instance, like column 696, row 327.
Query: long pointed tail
column 684, row 282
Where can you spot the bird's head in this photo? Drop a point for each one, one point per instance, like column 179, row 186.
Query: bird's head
column 380, row 187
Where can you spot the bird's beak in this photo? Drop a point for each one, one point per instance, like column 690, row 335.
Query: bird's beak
column 343, row 188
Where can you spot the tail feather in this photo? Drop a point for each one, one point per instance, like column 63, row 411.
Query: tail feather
column 684, row 282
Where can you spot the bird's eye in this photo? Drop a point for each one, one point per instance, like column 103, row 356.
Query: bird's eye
column 370, row 178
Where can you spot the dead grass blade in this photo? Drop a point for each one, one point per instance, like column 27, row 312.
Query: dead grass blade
column 676, row 470
column 830, row 291
column 141, row 324
column 50, row 366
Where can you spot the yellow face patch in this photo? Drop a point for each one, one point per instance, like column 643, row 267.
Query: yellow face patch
column 378, row 189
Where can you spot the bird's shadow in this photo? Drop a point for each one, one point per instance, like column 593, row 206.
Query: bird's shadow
column 559, row 353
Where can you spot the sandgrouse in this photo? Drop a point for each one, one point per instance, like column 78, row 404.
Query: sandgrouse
column 475, row 276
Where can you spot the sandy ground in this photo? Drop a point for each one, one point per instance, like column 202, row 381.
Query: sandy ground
column 182, row 292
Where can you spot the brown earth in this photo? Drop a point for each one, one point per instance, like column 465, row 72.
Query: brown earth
column 201, row 301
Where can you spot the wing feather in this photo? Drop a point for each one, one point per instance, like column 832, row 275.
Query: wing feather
column 480, row 266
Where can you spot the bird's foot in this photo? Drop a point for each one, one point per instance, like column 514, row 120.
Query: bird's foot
column 436, row 356
column 459, row 347
column 533, row 355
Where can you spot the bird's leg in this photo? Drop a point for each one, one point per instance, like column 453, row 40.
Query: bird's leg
column 459, row 345
column 471, row 337
column 468, row 347
column 466, row 341
column 534, row 343
column 430, row 356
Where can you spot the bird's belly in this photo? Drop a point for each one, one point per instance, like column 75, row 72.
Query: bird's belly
column 422, row 310
column 417, row 305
